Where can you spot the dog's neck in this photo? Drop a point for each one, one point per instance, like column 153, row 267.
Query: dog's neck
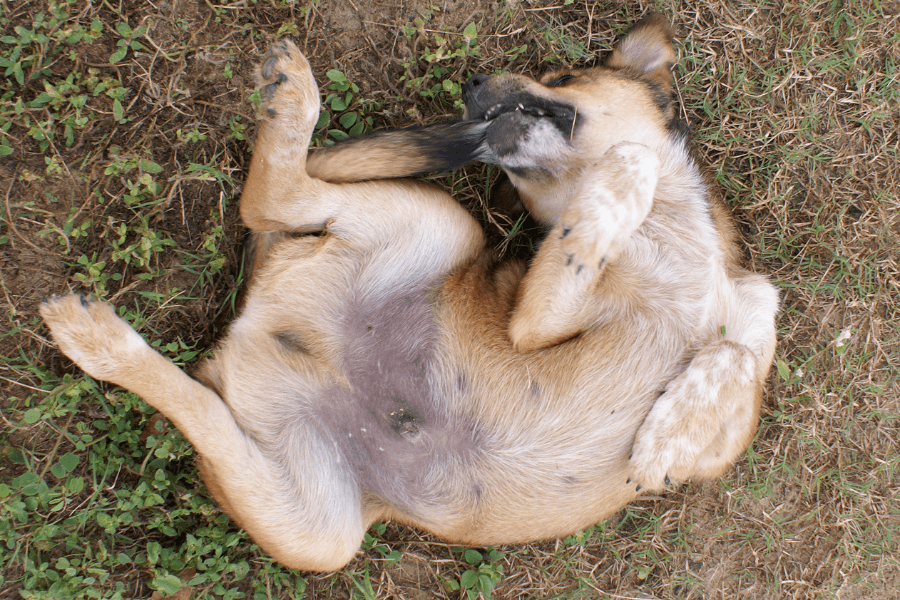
column 680, row 178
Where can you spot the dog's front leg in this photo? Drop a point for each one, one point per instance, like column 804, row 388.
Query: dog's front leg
column 554, row 302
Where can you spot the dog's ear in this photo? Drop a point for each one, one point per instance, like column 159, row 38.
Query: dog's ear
column 648, row 49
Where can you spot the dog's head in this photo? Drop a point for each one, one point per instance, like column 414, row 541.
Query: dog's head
column 545, row 132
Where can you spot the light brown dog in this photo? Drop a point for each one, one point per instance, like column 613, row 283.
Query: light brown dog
column 384, row 367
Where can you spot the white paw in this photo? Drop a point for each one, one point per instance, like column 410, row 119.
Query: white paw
column 612, row 204
column 287, row 89
column 706, row 412
column 91, row 334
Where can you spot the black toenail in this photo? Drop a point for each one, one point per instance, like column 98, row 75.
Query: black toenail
column 565, row 232
column 569, row 262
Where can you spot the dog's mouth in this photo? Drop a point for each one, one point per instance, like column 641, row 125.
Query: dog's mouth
column 523, row 131
column 501, row 109
column 524, row 106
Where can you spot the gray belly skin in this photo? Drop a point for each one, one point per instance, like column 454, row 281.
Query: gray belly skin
column 395, row 432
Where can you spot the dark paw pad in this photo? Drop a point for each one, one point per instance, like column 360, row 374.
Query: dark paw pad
column 268, row 67
column 267, row 92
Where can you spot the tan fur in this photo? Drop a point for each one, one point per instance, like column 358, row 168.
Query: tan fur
column 386, row 368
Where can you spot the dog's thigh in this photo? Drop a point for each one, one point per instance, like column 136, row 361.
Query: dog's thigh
column 317, row 526
column 555, row 299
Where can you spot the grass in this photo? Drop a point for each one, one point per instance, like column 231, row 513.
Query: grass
column 124, row 139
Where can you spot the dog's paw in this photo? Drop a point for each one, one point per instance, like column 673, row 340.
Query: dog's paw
column 663, row 453
column 613, row 202
column 287, row 90
column 91, row 334
column 701, row 423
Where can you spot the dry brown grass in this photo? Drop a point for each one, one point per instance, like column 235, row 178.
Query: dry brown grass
column 796, row 110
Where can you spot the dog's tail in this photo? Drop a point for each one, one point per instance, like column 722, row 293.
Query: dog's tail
column 399, row 153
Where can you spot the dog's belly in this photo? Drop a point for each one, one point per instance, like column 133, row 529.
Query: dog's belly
column 393, row 424
column 454, row 431
column 415, row 397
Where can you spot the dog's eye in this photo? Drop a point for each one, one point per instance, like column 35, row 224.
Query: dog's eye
column 562, row 79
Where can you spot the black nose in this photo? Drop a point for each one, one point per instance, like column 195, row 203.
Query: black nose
column 474, row 82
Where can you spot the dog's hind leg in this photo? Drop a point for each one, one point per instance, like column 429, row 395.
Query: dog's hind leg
column 317, row 527
column 418, row 220
column 554, row 298
column 708, row 414
column 278, row 196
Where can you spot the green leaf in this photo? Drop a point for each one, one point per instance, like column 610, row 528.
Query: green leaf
column 348, row 120
column 75, row 485
column 124, row 29
column 468, row 579
column 357, row 129
column 473, row 557
column 338, row 104
column 69, row 461
column 148, row 166
column 24, row 479
column 783, row 370
column 32, row 416
column 118, row 110
column 153, row 549
column 75, row 37
column 167, row 584
column 118, row 55
column 336, row 76
column 470, row 32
